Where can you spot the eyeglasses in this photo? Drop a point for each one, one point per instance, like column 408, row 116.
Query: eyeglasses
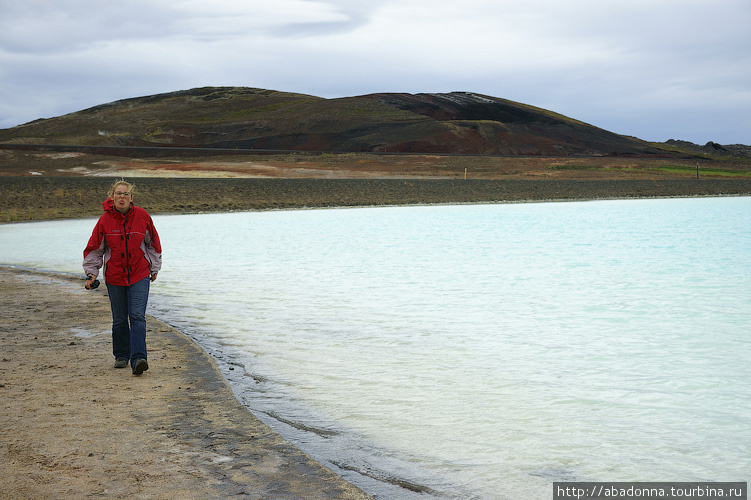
column 118, row 193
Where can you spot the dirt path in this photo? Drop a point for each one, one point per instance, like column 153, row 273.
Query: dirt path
column 74, row 427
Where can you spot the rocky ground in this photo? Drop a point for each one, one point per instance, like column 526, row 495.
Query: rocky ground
column 41, row 184
column 39, row 198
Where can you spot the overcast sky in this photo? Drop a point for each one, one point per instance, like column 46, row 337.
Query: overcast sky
column 654, row 69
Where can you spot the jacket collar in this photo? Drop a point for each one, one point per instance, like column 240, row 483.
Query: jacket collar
column 109, row 206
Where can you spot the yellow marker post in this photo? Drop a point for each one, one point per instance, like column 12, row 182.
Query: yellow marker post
column 465, row 173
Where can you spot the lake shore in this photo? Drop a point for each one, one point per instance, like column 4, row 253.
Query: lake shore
column 75, row 427
column 28, row 198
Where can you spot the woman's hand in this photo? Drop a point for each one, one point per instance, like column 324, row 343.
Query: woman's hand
column 153, row 276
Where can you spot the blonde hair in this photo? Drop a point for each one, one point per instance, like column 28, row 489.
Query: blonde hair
column 123, row 182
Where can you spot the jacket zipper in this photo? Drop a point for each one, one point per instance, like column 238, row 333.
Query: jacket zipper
column 127, row 250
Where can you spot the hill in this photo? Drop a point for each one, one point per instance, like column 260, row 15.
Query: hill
column 248, row 118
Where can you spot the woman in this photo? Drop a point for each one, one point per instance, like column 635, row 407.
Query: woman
column 125, row 241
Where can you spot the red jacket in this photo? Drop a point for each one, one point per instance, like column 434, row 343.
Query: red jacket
column 126, row 244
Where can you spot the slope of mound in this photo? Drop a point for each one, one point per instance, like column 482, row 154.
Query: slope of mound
column 248, row 118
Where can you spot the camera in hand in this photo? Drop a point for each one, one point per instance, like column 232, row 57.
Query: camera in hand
column 94, row 284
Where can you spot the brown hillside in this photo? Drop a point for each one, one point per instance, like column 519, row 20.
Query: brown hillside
column 247, row 118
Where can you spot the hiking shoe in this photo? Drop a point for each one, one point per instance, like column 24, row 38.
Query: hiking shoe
column 121, row 363
column 140, row 366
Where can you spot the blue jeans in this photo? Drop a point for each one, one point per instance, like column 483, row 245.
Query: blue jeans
column 129, row 320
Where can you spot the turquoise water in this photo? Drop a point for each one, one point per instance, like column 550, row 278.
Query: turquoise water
column 476, row 351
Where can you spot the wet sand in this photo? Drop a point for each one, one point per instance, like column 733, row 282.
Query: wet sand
column 75, row 427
